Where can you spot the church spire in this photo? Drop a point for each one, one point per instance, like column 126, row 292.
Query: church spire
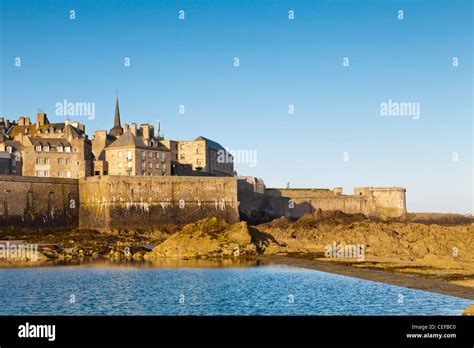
column 117, row 114
column 117, row 129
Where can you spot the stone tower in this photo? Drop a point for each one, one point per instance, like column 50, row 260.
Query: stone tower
column 117, row 129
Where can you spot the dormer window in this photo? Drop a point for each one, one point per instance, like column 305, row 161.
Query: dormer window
column 67, row 149
column 46, row 148
column 60, row 148
column 38, row 147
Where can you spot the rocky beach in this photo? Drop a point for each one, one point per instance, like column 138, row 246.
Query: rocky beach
column 430, row 246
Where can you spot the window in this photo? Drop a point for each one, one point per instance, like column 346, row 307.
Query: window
column 9, row 149
column 129, row 155
column 143, row 165
column 129, row 164
column 60, row 160
column 182, row 156
column 143, row 155
column 46, row 148
column 150, row 154
column 120, row 154
column 150, row 165
column 60, row 174
column 38, row 160
column 198, row 161
column 46, row 161
column 120, row 165
column 46, row 173
column 68, row 174
column 38, row 148
column 182, row 147
column 157, row 165
column 68, row 161
column 197, row 151
column 67, row 149
column 39, row 173
column 60, row 148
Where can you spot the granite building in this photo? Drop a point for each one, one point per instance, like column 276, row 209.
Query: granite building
column 45, row 149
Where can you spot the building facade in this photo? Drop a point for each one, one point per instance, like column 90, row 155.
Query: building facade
column 130, row 155
column 44, row 149
column 63, row 150
column 201, row 155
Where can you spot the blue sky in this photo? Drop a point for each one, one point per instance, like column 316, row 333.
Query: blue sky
column 282, row 62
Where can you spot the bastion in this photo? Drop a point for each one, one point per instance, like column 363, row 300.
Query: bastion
column 148, row 201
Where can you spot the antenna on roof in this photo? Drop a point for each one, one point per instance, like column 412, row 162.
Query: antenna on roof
column 158, row 129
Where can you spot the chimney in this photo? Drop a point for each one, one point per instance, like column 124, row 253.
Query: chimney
column 75, row 124
column 82, row 127
column 67, row 122
column 133, row 128
column 41, row 119
column 126, row 128
column 145, row 131
column 21, row 121
column 27, row 121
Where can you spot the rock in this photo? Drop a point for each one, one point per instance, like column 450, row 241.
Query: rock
column 211, row 237
column 469, row 311
column 137, row 256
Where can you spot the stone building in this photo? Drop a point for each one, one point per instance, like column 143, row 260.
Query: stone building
column 12, row 147
column 201, row 156
column 251, row 184
column 129, row 150
column 47, row 149
column 63, row 150
column 131, row 155
column 5, row 163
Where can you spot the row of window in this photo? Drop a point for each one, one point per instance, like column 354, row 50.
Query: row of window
column 40, row 160
column 61, row 173
column 129, row 155
column 46, row 148
column 143, row 165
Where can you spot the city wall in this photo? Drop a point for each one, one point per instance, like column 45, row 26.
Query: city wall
column 147, row 201
column 120, row 202
column 38, row 202
column 381, row 202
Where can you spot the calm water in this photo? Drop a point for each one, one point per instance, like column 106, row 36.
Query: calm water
column 263, row 290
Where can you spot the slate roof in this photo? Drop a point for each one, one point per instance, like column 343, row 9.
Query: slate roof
column 212, row 144
column 49, row 141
